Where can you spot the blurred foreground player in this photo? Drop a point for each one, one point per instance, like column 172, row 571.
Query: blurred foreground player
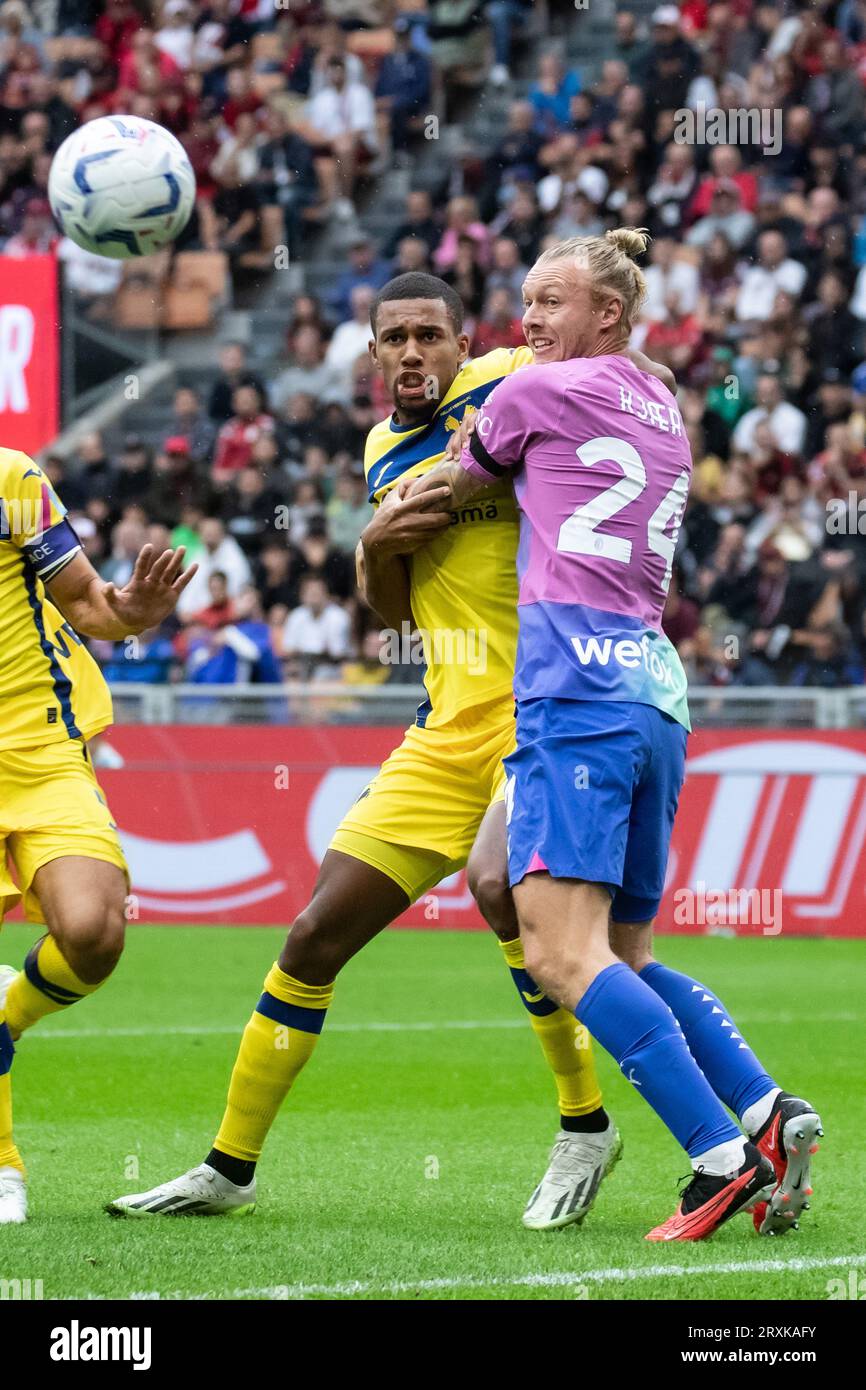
column 55, row 826
column 602, row 469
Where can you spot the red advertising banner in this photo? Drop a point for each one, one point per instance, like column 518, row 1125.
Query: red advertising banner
column 229, row 825
column 29, row 353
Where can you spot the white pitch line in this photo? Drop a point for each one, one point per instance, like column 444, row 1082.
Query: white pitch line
column 569, row 1279
column 452, row 1025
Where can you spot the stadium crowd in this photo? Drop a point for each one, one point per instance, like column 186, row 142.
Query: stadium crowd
column 756, row 279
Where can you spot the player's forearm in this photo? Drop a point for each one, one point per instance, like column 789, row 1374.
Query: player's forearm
column 90, row 614
column 462, row 485
column 384, row 581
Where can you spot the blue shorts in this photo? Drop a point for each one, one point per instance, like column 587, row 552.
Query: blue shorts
column 592, row 793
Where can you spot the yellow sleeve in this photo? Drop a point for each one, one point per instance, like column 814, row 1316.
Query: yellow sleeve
column 33, row 517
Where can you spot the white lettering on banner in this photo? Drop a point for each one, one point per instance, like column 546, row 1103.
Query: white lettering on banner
column 824, row 845
column 17, row 331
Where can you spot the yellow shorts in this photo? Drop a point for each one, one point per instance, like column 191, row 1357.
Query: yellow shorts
column 50, row 806
column 418, row 819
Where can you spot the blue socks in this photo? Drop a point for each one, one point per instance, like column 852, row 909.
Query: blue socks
column 728, row 1063
column 638, row 1029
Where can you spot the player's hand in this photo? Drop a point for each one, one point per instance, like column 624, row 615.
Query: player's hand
column 152, row 592
column 403, row 523
column 461, row 437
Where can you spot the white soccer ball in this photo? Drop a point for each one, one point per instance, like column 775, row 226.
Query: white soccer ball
column 121, row 186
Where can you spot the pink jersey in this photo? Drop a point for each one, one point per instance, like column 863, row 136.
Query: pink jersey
column 601, row 474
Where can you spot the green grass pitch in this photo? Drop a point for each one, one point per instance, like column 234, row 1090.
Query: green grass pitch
column 401, row 1163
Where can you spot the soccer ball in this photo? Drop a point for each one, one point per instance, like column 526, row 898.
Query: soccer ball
column 121, row 186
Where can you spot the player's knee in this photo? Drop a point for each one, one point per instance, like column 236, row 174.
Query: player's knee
column 314, row 951
column 92, row 940
column 488, row 885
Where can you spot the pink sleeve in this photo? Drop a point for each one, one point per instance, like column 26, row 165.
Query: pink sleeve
column 506, row 423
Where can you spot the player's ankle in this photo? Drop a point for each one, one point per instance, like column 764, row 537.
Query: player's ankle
column 240, row 1171
column 596, row 1122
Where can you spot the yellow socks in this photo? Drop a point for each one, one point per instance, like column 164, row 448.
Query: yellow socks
column 565, row 1042
column 9, row 1155
column 44, row 986
column 277, row 1042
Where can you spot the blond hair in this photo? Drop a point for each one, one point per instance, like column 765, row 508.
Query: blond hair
column 610, row 260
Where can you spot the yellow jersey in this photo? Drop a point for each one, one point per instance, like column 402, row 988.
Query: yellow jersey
column 50, row 686
column 463, row 583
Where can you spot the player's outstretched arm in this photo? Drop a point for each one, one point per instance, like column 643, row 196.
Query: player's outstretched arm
column 97, row 609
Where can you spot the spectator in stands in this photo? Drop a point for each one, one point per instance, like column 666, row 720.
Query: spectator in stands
column 308, row 500
column 178, row 484
column 499, row 326
column 320, row 557
column 458, row 41
column 340, row 124
column 508, row 19
column 775, row 270
column 96, row 472
column 219, row 552
column 462, row 221
column 350, row 340
column 176, row 35
column 670, row 192
column 285, row 180
column 309, row 373
column 190, row 420
column 666, row 273
column 233, row 372
column 787, row 424
column 726, row 218
column 239, row 652
column 521, row 223
column 234, row 445
column 402, row 89
column 220, row 608
column 133, row 479
column 250, row 508
column 365, row 268
column 835, row 335
column 277, row 574
column 465, row 275
column 127, row 539
column 38, row 235
column 316, row 634
column 550, row 95
column 835, row 96
column 418, row 222
column 348, row 510
column 412, row 255
column 672, row 63
column 507, row 272
column 236, row 225
column 515, row 159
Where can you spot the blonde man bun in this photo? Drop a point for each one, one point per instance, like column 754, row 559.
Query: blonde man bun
column 610, row 260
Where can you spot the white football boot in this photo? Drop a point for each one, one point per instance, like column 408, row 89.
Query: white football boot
column 200, row 1192
column 13, row 1197
column 578, row 1164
